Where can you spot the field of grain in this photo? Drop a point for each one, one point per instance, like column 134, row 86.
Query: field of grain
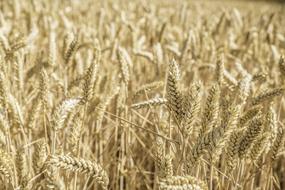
column 142, row 95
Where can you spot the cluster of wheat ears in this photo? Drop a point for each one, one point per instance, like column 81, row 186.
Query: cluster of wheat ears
column 126, row 95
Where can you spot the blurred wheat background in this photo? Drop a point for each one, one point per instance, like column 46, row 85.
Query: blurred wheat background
column 142, row 95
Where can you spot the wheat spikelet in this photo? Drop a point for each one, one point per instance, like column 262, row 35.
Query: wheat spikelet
column 282, row 66
column 249, row 136
column 14, row 113
column 43, row 87
column 228, row 124
column 39, row 156
column 260, row 77
column 278, row 143
column 191, row 107
column 71, row 49
column 61, row 111
column 82, row 166
column 21, row 165
column 208, row 142
column 248, row 115
column 40, row 101
column 152, row 102
column 19, row 68
column 233, row 148
column 168, row 166
column 124, row 66
column 220, row 69
column 181, row 182
column 158, row 54
column 211, row 109
column 147, row 88
column 75, row 133
column 267, row 96
column 159, row 156
column 4, row 124
column 3, row 90
column 34, row 112
column 258, row 146
column 270, row 126
column 173, row 95
column 90, row 76
column 52, row 49
column 6, row 165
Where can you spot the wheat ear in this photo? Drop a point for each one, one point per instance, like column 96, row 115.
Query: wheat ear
column 82, row 166
column 191, row 107
column 152, row 102
column 267, row 96
column 91, row 74
column 182, row 182
column 173, row 95
column 211, row 110
column 60, row 112
column 147, row 88
column 249, row 135
column 278, row 143
column 6, row 165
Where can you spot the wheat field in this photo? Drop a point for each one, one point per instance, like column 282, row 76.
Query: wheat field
column 142, row 95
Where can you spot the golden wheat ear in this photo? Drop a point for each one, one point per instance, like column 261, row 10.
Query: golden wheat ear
column 124, row 65
column 93, row 169
column 148, row 88
column 173, row 94
column 152, row 102
column 278, row 143
column 61, row 111
column 191, row 107
column 21, row 166
column 267, row 96
column 249, row 136
column 39, row 156
column 71, row 48
column 6, row 166
column 281, row 64
column 182, row 182
column 91, row 74
column 211, row 110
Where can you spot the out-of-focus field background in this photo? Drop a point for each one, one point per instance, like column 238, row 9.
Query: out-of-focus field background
column 142, row 95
